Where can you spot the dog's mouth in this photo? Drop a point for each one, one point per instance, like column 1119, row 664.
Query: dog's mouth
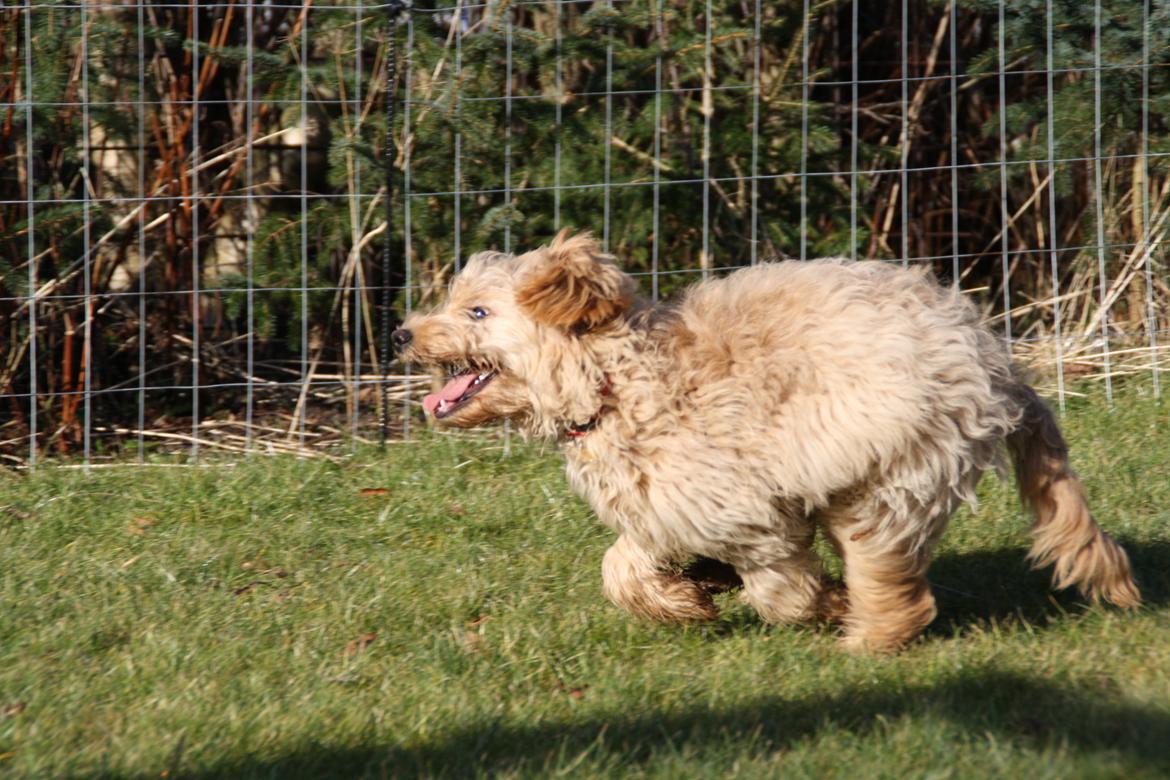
column 458, row 392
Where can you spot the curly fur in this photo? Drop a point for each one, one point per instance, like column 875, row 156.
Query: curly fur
column 860, row 398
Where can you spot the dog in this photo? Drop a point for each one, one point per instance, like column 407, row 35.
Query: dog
column 861, row 398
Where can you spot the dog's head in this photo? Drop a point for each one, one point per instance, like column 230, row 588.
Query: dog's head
column 514, row 335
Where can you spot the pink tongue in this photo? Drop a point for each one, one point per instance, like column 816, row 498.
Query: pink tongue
column 450, row 393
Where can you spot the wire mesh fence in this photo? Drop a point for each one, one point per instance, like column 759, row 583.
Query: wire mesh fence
column 207, row 232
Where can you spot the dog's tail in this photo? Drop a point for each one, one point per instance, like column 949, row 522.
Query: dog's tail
column 1065, row 535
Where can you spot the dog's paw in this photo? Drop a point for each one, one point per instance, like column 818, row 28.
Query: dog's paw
column 862, row 644
column 682, row 601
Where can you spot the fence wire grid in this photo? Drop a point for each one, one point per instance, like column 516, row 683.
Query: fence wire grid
column 212, row 211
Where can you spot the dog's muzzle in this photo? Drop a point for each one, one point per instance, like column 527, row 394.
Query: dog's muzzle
column 401, row 338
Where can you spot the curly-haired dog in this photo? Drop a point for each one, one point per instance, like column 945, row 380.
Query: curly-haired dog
column 859, row 397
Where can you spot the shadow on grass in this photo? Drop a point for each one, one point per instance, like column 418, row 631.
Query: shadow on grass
column 999, row 585
column 973, row 588
column 1081, row 717
column 1034, row 714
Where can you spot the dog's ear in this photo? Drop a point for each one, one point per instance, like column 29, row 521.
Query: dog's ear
column 572, row 283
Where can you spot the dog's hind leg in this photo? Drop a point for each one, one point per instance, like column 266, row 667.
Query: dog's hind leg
column 641, row 583
column 890, row 601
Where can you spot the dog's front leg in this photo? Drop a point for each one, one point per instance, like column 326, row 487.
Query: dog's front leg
column 639, row 582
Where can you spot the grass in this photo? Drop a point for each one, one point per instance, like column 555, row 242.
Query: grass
column 436, row 610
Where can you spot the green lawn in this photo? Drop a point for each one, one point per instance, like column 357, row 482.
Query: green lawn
column 268, row 618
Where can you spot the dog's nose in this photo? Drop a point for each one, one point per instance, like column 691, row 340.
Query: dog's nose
column 401, row 338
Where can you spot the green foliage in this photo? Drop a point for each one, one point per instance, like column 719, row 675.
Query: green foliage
column 1132, row 32
column 585, row 145
column 470, row 106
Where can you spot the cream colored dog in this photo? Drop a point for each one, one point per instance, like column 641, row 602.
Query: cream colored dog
column 862, row 398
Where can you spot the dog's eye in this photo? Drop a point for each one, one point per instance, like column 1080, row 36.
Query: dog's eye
column 479, row 312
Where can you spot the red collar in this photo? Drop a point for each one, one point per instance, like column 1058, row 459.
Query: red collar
column 578, row 430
